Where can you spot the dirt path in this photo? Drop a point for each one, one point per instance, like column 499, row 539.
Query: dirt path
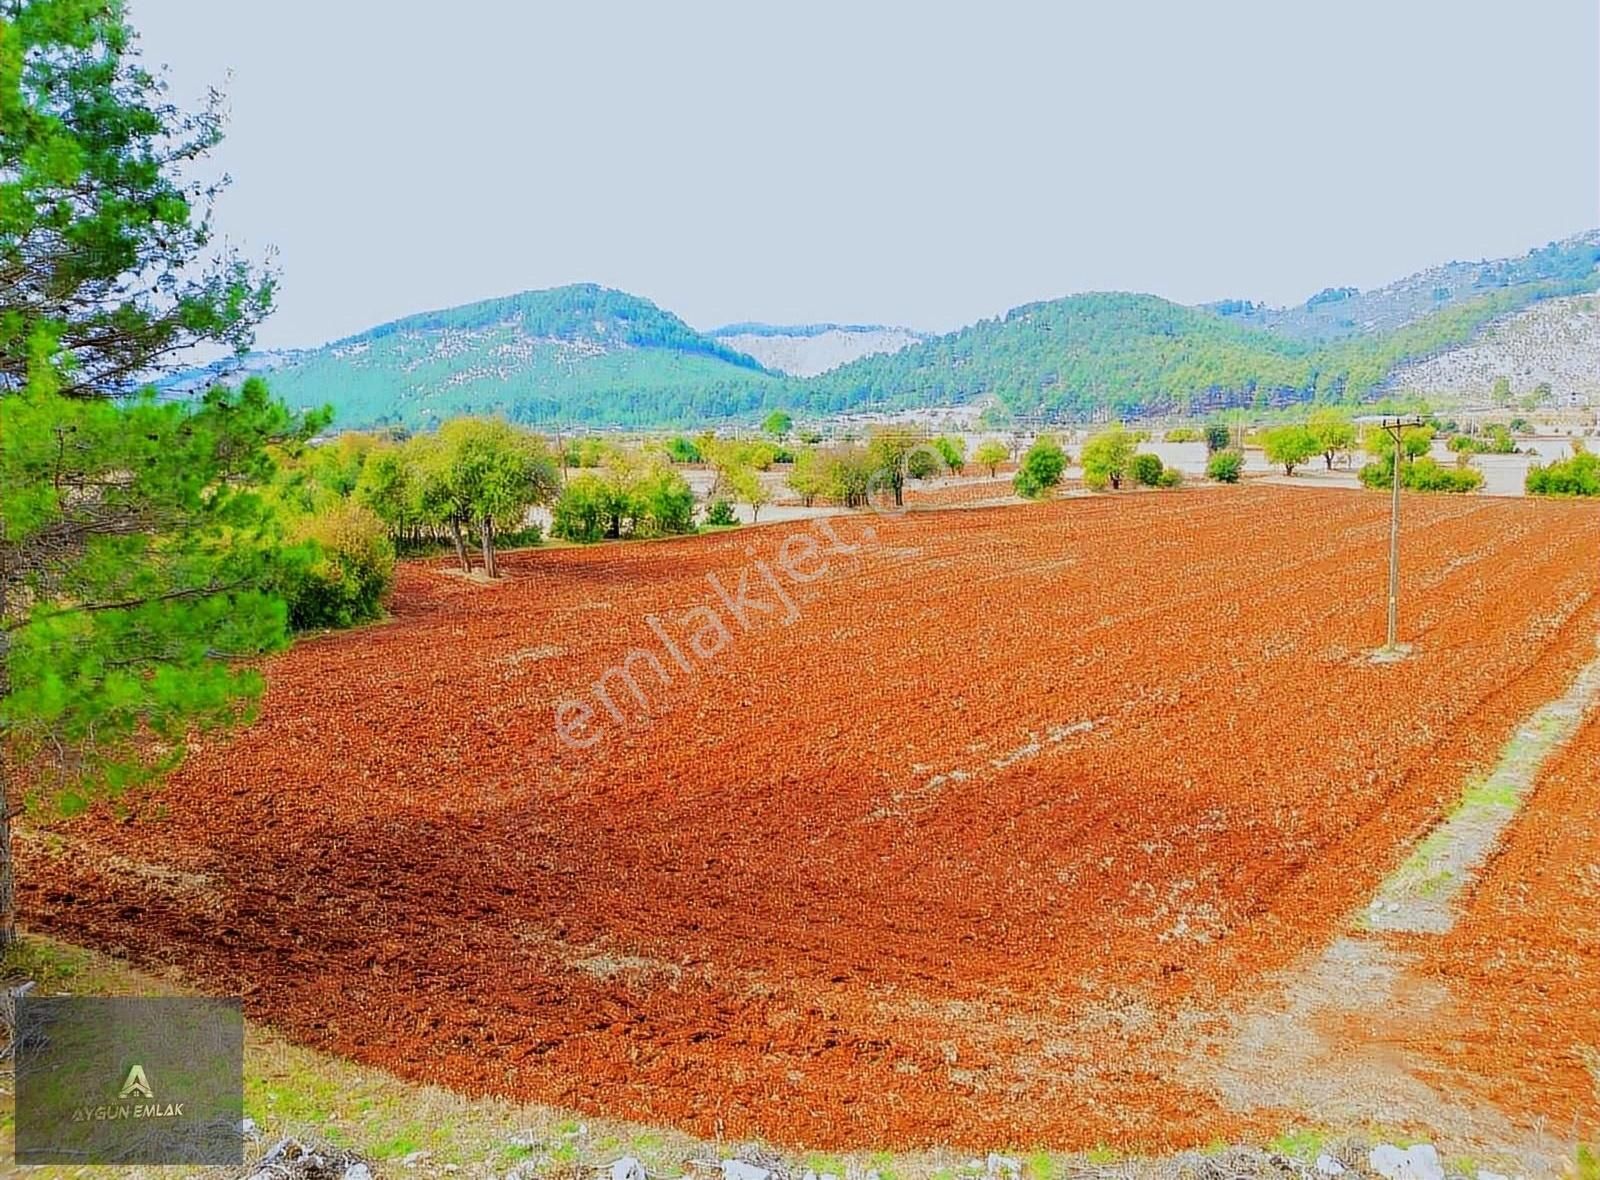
column 1330, row 1040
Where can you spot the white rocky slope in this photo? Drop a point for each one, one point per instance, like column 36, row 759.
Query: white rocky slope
column 807, row 351
column 1555, row 341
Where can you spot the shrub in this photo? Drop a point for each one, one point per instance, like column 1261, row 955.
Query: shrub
column 1421, row 475
column 720, row 512
column 923, row 463
column 1217, row 437
column 1146, row 470
column 1171, row 477
column 1429, row 475
column 1225, row 467
column 1180, row 434
column 663, row 502
column 683, row 450
column 341, row 568
column 1577, row 476
column 583, row 510
column 1040, row 469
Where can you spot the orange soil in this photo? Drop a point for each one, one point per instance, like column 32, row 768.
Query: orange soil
column 970, row 852
column 1522, row 965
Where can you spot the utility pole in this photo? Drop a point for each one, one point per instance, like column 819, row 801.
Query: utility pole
column 1395, row 428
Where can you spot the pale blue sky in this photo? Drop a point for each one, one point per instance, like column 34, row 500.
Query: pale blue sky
column 922, row 163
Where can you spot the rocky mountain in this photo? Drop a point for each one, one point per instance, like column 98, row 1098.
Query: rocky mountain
column 806, row 350
column 1554, row 342
column 1338, row 312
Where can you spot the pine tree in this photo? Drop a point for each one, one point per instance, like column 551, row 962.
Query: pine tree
column 136, row 556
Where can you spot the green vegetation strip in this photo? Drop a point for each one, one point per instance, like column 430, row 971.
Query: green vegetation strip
column 1420, row 895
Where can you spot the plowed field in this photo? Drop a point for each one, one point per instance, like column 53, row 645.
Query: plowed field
column 1523, row 965
column 970, row 851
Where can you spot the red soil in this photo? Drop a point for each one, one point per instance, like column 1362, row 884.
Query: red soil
column 1523, row 963
column 967, row 853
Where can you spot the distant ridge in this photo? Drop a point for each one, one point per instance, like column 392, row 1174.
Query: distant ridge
column 586, row 355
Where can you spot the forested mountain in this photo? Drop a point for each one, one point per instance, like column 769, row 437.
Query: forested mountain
column 590, row 355
column 577, row 354
column 805, row 350
column 1337, row 312
column 1100, row 354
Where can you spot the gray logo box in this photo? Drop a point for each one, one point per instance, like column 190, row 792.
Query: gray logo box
column 129, row 1080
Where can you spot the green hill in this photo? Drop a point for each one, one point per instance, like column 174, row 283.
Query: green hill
column 578, row 354
column 1133, row 354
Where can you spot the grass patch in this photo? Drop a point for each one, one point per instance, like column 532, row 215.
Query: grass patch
column 1301, row 1143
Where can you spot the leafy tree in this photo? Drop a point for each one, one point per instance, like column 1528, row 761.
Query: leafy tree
column 1106, row 457
column 137, row 551
column 494, row 473
column 952, row 451
column 1500, row 392
column 1183, row 434
column 583, row 510
column 748, row 487
column 1225, row 466
column 663, row 503
column 889, row 450
column 809, row 477
column 1289, row 446
column 1335, row 433
column 778, row 424
column 1146, row 469
column 1218, row 437
column 991, row 453
column 1414, row 441
column 1041, row 468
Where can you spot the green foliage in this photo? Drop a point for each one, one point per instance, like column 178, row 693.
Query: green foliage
column 136, row 569
column 1041, row 468
column 106, row 248
column 342, row 570
column 778, row 424
column 1414, row 440
column 1501, row 391
column 1424, row 474
column 1218, row 437
column 582, row 512
column 1107, row 456
column 953, row 451
column 1334, row 431
column 631, row 495
column 1577, row 476
column 1225, row 466
column 991, row 453
column 1170, row 477
column 1146, row 469
column 720, row 514
column 1183, row 434
column 1289, row 446
column 924, row 463
column 682, row 450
